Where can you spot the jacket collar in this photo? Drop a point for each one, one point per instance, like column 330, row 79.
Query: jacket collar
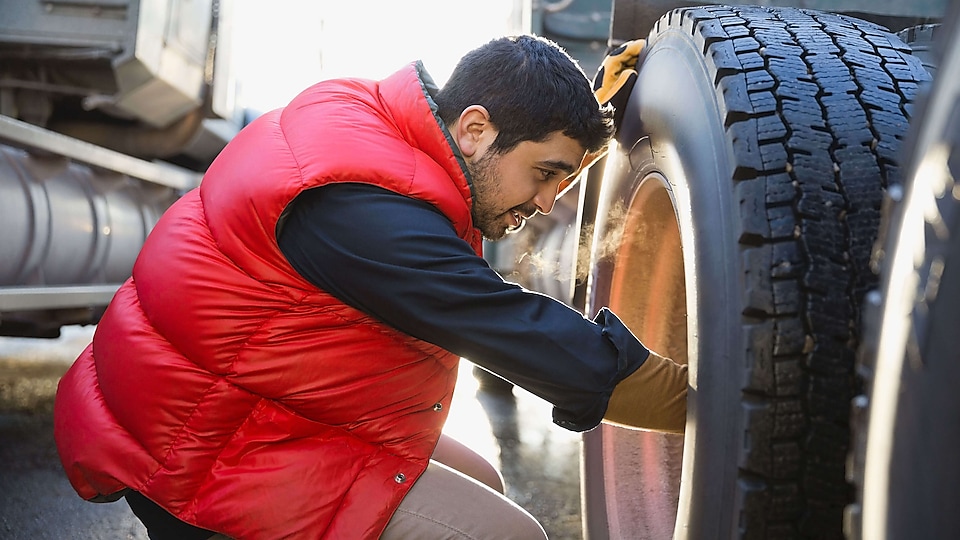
column 433, row 138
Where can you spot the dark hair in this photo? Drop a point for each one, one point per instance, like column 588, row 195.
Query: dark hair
column 531, row 88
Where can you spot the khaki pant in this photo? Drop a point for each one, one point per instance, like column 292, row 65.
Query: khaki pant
column 460, row 496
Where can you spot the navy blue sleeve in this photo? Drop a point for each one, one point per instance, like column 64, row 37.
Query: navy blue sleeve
column 400, row 260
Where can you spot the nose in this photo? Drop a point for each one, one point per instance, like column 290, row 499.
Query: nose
column 547, row 197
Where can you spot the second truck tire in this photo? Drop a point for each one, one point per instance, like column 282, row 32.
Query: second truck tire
column 907, row 429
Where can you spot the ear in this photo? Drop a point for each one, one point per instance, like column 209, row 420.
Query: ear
column 474, row 131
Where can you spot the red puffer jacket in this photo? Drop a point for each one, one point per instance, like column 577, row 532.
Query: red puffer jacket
column 238, row 396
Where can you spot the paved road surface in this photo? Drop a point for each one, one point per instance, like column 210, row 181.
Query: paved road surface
column 539, row 460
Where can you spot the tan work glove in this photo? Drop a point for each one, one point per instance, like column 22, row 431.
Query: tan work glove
column 612, row 84
column 617, row 73
column 654, row 397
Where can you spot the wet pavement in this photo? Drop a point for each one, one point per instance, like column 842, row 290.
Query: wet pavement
column 539, row 461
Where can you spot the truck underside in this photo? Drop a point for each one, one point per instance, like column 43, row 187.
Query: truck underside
column 109, row 111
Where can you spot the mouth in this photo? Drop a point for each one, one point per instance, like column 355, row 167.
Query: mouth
column 516, row 220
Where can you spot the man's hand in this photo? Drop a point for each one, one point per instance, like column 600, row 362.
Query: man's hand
column 654, row 397
column 617, row 73
column 616, row 77
column 612, row 84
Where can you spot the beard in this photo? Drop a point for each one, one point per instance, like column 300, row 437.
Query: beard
column 487, row 216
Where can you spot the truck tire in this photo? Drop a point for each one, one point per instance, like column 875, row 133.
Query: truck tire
column 907, row 429
column 735, row 224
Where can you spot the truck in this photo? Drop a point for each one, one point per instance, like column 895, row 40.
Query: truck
column 776, row 213
column 109, row 111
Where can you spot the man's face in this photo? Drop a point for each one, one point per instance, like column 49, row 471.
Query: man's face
column 511, row 187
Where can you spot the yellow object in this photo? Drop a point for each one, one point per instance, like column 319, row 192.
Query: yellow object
column 616, row 69
column 654, row 397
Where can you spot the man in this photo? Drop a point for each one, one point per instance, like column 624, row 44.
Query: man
column 282, row 361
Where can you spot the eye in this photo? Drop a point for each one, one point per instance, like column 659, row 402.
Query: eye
column 547, row 174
